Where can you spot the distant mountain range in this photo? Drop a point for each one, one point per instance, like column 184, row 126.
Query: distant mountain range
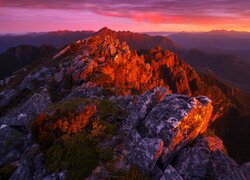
column 228, row 67
column 57, row 39
column 218, row 41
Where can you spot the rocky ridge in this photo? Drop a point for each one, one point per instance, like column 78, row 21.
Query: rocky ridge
column 97, row 95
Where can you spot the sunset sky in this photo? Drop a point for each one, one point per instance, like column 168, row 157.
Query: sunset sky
column 18, row 16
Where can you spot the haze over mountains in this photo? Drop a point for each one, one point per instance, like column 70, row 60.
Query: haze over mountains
column 217, row 41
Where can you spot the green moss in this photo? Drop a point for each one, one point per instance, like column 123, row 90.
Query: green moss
column 66, row 106
column 110, row 129
column 106, row 154
column 110, row 111
column 210, row 132
column 58, row 90
column 6, row 171
column 133, row 173
column 224, row 150
column 78, row 155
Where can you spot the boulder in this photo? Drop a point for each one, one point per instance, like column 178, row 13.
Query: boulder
column 142, row 105
column 26, row 112
column 223, row 167
column 191, row 162
column 159, row 125
column 38, row 76
column 146, row 153
column 177, row 120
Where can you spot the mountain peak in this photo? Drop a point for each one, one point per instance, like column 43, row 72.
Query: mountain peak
column 104, row 31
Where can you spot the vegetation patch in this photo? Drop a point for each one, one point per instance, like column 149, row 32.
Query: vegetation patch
column 58, row 90
column 66, row 106
column 109, row 111
column 133, row 173
column 70, row 131
column 64, row 119
column 78, row 155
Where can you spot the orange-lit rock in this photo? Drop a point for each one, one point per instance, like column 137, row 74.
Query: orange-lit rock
column 48, row 127
column 214, row 143
column 114, row 65
column 182, row 119
column 175, row 119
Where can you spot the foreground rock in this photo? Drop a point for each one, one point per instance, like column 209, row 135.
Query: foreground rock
column 167, row 127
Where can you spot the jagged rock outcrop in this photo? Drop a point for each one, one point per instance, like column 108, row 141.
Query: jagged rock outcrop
column 140, row 41
column 111, row 64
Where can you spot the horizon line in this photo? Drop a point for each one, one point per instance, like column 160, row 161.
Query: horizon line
column 62, row 30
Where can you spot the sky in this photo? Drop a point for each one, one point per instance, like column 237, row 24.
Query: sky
column 19, row 16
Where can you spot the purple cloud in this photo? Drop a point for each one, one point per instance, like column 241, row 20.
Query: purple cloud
column 194, row 12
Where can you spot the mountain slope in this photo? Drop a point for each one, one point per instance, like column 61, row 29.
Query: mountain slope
column 233, row 126
column 16, row 58
column 227, row 67
column 98, row 109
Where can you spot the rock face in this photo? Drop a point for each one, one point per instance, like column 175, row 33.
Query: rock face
column 200, row 161
column 26, row 112
column 168, row 126
column 146, row 153
column 178, row 119
column 223, row 167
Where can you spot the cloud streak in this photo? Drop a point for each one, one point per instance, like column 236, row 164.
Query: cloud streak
column 193, row 12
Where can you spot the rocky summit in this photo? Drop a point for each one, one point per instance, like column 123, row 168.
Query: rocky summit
column 98, row 110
